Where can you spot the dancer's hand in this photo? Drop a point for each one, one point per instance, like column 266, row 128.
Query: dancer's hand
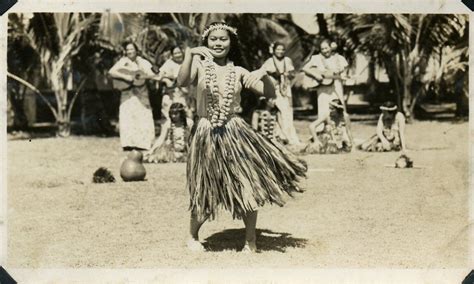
column 201, row 51
column 251, row 78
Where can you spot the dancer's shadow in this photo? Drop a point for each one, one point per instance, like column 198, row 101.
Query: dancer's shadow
column 233, row 239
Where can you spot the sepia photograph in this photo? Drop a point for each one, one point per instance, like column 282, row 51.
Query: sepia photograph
column 198, row 141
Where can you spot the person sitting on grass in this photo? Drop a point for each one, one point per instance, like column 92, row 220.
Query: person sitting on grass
column 331, row 132
column 171, row 146
column 390, row 134
column 265, row 121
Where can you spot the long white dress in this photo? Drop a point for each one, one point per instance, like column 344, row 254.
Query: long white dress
column 283, row 95
column 136, row 125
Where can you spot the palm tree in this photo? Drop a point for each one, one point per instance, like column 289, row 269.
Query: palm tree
column 154, row 32
column 55, row 39
column 402, row 43
column 257, row 32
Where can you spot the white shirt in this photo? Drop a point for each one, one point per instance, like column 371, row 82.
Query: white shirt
column 335, row 63
column 139, row 64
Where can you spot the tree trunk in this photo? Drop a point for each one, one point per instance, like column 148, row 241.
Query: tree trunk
column 323, row 26
column 57, row 78
column 371, row 81
column 405, row 78
column 462, row 96
column 393, row 71
column 407, row 100
column 64, row 129
column 63, row 120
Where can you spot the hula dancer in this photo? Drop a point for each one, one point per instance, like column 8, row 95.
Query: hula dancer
column 172, row 145
column 335, row 136
column 229, row 165
column 390, row 134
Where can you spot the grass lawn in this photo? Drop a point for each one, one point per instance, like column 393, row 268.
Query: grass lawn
column 361, row 215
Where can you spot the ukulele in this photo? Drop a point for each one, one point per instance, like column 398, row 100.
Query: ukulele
column 328, row 79
column 327, row 75
column 139, row 79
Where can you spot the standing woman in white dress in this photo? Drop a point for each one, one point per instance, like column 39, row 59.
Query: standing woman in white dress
column 168, row 75
column 136, row 125
column 281, row 71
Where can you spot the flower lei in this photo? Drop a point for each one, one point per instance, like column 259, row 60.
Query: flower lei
column 171, row 135
column 218, row 113
column 267, row 124
column 336, row 133
column 283, row 80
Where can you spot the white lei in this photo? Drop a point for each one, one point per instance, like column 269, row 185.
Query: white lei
column 216, row 112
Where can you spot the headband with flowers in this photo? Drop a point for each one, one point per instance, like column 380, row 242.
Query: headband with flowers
column 388, row 108
column 177, row 108
column 220, row 26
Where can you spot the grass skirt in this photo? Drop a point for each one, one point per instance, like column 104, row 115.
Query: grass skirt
column 166, row 154
column 374, row 144
column 328, row 145
column 235, row 168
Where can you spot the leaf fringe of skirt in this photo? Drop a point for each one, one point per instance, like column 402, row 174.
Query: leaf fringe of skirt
column 374, row 144
column 235, row 168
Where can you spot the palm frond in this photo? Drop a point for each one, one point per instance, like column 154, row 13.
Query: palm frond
column 35, row 90
column 115, row 28
column 269, row 26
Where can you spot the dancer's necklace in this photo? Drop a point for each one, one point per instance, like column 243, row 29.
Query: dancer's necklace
column 216, row 112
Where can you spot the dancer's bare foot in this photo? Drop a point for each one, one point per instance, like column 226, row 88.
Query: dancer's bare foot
column 250, row 247
column 195, row 245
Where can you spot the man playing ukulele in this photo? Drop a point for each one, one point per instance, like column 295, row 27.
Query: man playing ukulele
column 326, row 69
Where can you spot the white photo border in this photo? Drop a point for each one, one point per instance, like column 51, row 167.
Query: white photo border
column 230, row 275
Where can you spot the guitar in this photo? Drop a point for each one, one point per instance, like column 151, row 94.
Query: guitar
column 139, row 79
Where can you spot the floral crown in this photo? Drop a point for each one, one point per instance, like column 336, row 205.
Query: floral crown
column 220, row 26
column 176, row 108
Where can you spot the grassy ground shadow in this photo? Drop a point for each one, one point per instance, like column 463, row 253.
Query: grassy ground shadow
column 267, row 240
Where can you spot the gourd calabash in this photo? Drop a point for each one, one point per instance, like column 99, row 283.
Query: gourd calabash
column 132, row 168
column 136, row 156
